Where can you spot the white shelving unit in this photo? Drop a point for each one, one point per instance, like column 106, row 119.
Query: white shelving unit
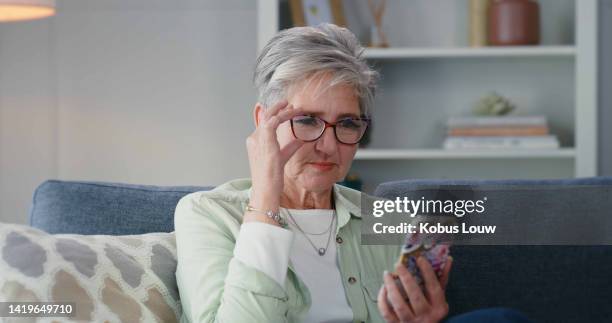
column 422, row 86
column 413, row 154
column 524, row 51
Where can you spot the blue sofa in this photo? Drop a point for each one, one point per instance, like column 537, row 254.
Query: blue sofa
column 547, row 283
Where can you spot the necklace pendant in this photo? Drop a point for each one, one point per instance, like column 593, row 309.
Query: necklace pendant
column 322, row 251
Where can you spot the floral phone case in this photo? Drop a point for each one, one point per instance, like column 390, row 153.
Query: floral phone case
column 435, row 248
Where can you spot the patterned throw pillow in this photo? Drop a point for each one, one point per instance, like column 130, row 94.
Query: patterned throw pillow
column 109, row 278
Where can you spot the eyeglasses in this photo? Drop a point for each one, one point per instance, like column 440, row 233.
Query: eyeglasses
column 348, row 130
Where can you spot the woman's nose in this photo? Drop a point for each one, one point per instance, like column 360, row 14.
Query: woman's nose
column 327, row 143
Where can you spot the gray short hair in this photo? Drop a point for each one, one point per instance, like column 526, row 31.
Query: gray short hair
column 296, row 54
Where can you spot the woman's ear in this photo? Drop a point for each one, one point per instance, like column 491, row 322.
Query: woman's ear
column 258, row 111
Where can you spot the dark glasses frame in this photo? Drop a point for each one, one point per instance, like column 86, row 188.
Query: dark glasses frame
column 367, row 120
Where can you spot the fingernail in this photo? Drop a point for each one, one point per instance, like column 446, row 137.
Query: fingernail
column 385, row 273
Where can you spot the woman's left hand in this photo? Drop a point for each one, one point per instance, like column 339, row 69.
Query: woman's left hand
column 423, row 306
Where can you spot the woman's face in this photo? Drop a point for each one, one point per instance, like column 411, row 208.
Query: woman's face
column 317, row 165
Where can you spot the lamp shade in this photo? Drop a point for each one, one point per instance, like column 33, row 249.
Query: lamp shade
column 14, row 10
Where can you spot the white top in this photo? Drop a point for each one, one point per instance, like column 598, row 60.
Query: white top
column 268, row 248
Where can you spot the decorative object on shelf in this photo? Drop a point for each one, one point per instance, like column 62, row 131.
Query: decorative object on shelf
column 514, row 22
column 314, row 12
column 499, row 132
column 478, row 22
column 378, row 37
column 491, row 128
column 17, row 10
column 353, row 181
column 493, row 104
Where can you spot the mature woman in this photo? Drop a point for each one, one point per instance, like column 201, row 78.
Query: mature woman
column 284, row 246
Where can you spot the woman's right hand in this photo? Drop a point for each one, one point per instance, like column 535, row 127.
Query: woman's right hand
column 267, row 159
column 423, row 306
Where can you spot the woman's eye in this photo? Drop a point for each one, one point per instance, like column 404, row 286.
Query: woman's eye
column 350, row 124
column 306, row 121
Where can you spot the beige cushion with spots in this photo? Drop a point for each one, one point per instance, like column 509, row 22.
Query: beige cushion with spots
column 110, row 278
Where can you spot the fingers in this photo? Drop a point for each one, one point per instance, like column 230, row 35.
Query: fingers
column 401, row 308
column 281, row 116
column 277, row 109
column 417, row 300
column 434, row 291
column 289, row 149
column 274, row 109
column 288, row 113
column 446, row 272
column 383, row 306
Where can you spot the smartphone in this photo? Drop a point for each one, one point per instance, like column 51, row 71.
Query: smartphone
column 435, row 248
column 436, row 254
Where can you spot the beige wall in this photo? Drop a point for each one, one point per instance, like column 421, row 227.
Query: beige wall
column 148, row 92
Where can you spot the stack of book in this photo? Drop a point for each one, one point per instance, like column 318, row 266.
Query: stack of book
column 503, row 132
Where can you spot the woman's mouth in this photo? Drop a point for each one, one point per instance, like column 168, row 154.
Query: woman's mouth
column 323, row 166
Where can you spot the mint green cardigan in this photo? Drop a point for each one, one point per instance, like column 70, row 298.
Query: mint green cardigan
column 216, row 287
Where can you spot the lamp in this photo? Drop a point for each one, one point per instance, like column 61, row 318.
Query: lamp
column 14, row 10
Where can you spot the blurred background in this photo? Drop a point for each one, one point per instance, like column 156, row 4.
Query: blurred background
column 159, row 92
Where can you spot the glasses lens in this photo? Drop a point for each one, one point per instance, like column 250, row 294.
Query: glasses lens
column 350, row 131
column 307, row 128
